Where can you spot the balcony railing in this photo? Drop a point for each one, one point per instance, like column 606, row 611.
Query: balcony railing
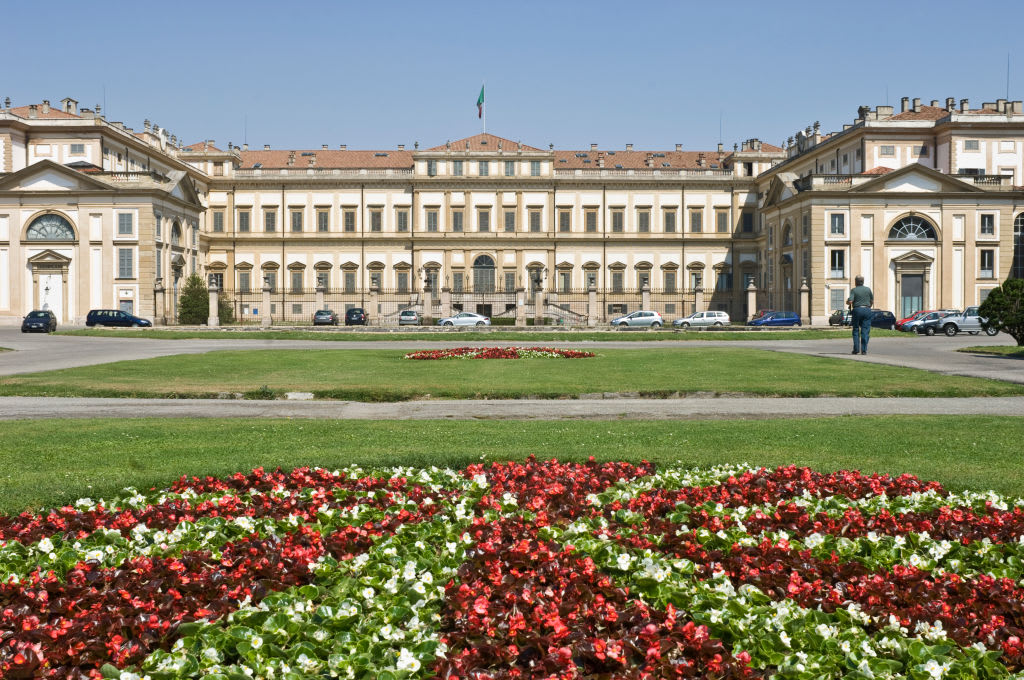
column 324, row 172
column 717, row 173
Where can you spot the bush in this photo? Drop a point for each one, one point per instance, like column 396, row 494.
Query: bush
column 194, row 303
column 1003, row 309
column 225, row 309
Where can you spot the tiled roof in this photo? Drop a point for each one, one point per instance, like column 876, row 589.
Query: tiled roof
column 879, row 170
column 636, row 159
column 923, row 113
column 327, row 158
column 200, row 146
column 765, row 146
column 484, row 142
column 54, row 112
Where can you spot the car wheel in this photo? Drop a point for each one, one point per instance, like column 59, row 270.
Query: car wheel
column 448, row 323
column 135, row 325
column 950, row 330
column 974, row 332
column 991, row 331
column 479, row 323
column 655, row 325
column 930, row 331
column 685, row 324
column 717, row 324
column 623, row 325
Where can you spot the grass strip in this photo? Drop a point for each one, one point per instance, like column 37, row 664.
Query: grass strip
column 1000, row 350
column 383, row 375
column 49, row 463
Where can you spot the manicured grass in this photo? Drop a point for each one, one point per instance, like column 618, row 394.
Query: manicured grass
column 1001, row 350
column 383, row 375
column 472, row 335
column 49, row 463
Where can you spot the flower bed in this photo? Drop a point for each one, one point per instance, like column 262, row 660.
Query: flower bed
column 499, row 353
column 519, row 570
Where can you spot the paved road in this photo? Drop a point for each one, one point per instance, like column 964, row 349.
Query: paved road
column 18, row 408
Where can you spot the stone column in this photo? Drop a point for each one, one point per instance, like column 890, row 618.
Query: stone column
column 446, row 301
column 751, row 300
column 538, row 307
column 520, row 306
column 592, row 315
column 698, row 299
column 265, row 319
column 645, row 296
column 321, row 291
column 373, row 313
column 158, row 304
column 213, row 320
column 805, row 298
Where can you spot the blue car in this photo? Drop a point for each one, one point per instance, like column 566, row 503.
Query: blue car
column 776, row 319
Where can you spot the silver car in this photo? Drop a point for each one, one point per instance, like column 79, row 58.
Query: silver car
column 640, row 318
column 465, row 319
column 699, row 319
column 408, row 317
column 968, row 322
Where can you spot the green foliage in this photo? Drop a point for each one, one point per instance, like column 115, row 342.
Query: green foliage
column 1003, row 309
column 262, row 393
column 225, row 309
column 194, row 303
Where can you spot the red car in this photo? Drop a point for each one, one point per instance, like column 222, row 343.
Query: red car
column 912, row 317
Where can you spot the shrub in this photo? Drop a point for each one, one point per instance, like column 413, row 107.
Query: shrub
column 1003, row 309
column 194, row 303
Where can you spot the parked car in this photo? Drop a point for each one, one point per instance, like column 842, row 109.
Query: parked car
column 776, row 319
column 762, row 312
column 929, row 324
column 698, row 319
column 355, row 316
column 967, row 322
column 840, row 317
column 640, row 318
column 325, row 317
column 39, row 320
column 409, row 317
column 914, row 323
column 465, row 319
column 901, row 324
column 881, row 318
column 114, row 317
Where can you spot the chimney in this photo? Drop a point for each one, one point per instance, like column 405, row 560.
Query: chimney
column 593, row 146
column 312, row 161
column 649, row 160
column 917, row 104
column 343, row 147
column 679, row 147
column 87, row 114
column 950, row 103
column 847, row 126
column 882, row 112
column 700, row 159
column 33, row 111
column 965, row 105
column 1001, row 105
column 46, row 106
column 904, row 104
column 323, row 147
column 757, row 144
column 935, row 103
column 245, row 146
column 146, row 125
column 69, row 105
column 629, row 147
column 720, row 148
column 1017, row 107
column 266, row 147
column 401, row 147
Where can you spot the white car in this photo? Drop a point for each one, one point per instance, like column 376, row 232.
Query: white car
column 697, row 319
column 465, row 319
column 640, row 318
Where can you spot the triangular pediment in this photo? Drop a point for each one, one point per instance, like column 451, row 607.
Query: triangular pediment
column 915, row 178
column 49, row 257
column 484, row 142
column 45, row 175
column 182, row 188
column 913, row 257
column 177, row 260
column 779, row 189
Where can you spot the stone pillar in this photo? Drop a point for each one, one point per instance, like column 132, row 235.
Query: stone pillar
column 805, row 298
column 592, row 311
column 213, row 320
column 321, row 291
column 373, row 313
column 538, row 307
column 751, row 300
column 645, row 296
column 520, row 306
column 265, row 319
column 446, row 302
column 698, row 300
column 158, row 304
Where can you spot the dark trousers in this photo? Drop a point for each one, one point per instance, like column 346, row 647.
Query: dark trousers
column 861, row 321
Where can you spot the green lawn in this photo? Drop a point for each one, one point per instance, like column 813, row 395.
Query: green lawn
column 383, row 375
column 1002, row 350
column 53, row 462
column 607, row 334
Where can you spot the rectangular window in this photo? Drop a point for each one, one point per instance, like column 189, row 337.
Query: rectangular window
column 887, row 150
column 376, row 220
column 564, row 223
column 838, row 224
column 348, row 220
column 837, row 264
column 696, row 220
column 296, row 282
column 618, row 220
column 724, row 281
column 297, row 308
column 564, row 281
column 590, row 220
column 432, row 219
column 456, row 282
column 323, row 217
column 159, row 225
column 510, row 282
column 748, row 222
column 457, row 167
column 457, row 216
column 159, row 263
column 483, row 219
column 510, row 220
column 535, row 220
column 643, row 220
column 837, row 298
column 402, row 220
column 124, row 224
column 125, row 262
column 988, row 264
column 806, row 271
column 296, row 220
column 971, row 145
column 510, row 168
column 722, row 221
column 218, row 222
column 431, row 168
column 244, row 282
column 270, row 221
column 485, row 168
column 696, row 280
column 350, row 282
column 617, row 279
column 243, row 221
column 988, row 224
column 920, row 151
column 375, row 280
column 669, row 280
column 805, row 226
column 78, row 149
column 323, row 278
column 669, row 220
column 534, row 168
column 402, row 279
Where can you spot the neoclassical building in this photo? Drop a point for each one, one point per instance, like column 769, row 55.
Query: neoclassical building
column 923, row 202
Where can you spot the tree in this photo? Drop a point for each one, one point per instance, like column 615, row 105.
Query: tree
column 194, row 303
column 1003, row 309
column 225, row 309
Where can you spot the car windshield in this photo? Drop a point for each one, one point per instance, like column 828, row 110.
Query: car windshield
column 38, row 315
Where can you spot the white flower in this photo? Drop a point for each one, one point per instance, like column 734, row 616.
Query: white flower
column 936, row 669
column 407, row 662
column 46, row 545
column 368, row 593
column 481, row 481
column 95, row 555
column 814, row 540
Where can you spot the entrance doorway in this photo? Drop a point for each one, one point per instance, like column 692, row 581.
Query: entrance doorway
column 911, row 294
column 484, row 310
column 51, row 294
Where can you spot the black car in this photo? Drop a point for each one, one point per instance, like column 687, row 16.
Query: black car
column 355, row 317
column 115, row 317
column 880, row 318
column 39, row 320
column 325, row 317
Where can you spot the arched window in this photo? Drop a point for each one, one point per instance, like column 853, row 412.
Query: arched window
column 1017, row 265
column 50, row 228
column 912, row 228
column 483, row 274
column 787, row 235
column 176, row 234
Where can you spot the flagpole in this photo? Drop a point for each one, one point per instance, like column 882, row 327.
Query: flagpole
column 484, row 85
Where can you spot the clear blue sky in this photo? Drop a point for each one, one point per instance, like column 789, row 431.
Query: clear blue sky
column 377, row 74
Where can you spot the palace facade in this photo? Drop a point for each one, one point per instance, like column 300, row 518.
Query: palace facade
column 924, row 203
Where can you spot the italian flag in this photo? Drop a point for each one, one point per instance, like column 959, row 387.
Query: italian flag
column 480, row 103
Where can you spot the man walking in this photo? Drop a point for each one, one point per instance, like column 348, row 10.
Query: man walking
column 860, row 302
